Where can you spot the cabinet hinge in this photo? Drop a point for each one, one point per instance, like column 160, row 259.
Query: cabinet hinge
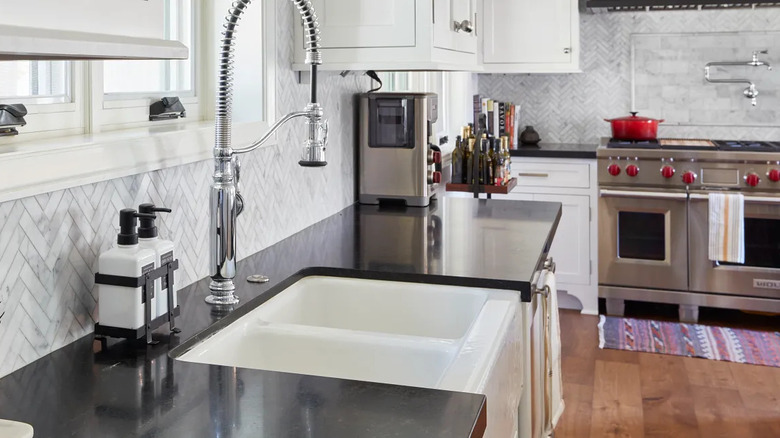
column 590, row 214
column 433, row 11
column 590, row 267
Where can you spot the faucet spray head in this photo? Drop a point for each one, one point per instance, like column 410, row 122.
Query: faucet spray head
column 314, row 146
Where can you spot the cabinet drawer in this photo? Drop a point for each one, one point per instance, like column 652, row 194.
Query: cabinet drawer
column 551, row 174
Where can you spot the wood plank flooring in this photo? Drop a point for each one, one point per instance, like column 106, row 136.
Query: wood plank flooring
column 611, row 393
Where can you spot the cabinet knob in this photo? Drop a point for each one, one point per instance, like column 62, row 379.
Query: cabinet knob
column 465, row 26
column 567, row 50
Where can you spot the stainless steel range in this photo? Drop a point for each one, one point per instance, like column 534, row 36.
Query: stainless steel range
column 654, row 224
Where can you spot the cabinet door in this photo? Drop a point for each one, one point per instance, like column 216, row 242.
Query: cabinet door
column 528, row 31
column 571, row 245
column 445, row 14
column 366, row 23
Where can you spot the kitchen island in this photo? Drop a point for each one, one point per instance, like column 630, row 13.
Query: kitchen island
column 89, row 390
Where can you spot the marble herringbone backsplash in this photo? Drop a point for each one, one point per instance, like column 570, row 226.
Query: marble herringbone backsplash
column 571, row 107
column 49, row 243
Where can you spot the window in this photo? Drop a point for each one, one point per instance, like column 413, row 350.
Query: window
column 150, row 78
column 35, row 82
column 66, row 100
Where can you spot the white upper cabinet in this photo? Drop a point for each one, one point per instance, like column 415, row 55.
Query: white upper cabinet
column 454, row 25
column 394, row 35
column 530, row 36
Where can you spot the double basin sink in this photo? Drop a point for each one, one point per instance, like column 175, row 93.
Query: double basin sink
column 413, row 334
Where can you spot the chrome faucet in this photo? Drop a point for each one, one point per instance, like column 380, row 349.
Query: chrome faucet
column 750, row 92
column 226, row 202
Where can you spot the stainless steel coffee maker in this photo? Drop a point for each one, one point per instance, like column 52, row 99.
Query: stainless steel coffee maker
column 397, row 161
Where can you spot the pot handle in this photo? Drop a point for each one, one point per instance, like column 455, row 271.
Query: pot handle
column 634, row 113
column 608, row 120
column 661, row 121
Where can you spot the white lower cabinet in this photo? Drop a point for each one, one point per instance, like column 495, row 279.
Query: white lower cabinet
column 572, row 182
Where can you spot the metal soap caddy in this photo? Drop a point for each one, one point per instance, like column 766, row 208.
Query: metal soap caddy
column 146, row 283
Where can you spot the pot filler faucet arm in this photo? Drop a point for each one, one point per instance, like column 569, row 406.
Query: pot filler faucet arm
column 750, row 92
column 225, row 201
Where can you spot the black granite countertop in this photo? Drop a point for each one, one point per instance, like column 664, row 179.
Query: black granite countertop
column 88, row 390
column 556, row 150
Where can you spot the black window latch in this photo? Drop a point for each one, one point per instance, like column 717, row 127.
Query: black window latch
column 167, row 108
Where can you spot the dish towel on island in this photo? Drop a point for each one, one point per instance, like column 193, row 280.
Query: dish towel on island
column 727, row 227
column 555, row 334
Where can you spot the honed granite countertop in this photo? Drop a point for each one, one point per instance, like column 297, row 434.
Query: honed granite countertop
column 556, row 150
column 89, row 390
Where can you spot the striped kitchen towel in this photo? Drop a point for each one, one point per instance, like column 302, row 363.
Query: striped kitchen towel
column 727, row 227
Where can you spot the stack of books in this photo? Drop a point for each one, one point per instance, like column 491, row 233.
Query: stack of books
column 503, row 118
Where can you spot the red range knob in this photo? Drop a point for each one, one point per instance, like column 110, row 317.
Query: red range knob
column 774, row 175
column 689, row 177
column 752, row 179
column 436, row 177
column 613, row 169
column 436, row 157
column 632, row 170
column 667, row 171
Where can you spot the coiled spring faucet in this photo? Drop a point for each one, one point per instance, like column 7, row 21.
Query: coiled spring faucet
column 226, row 202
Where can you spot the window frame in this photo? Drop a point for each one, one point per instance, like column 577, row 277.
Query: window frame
column 112, row 111
column 31, row 164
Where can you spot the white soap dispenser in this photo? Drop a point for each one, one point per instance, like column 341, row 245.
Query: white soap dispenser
column 163, row 250
column 121, row 306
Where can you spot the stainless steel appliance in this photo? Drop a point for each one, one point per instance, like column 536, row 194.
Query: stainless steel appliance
column 396, row 158
column 654, row 222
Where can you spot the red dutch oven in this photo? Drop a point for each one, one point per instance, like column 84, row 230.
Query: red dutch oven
column 634, row 128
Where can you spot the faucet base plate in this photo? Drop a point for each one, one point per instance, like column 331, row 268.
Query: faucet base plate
column 222, row 292
column 222, row 300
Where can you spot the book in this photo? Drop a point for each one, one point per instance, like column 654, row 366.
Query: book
column 501, row 119
column 477, row 108
column 494, row 131
column 491, row 116
column 515, row 141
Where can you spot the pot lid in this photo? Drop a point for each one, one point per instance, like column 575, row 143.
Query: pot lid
column 635, row 118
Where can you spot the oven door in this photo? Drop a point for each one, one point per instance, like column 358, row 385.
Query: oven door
column 760, row 275
column 643, row 239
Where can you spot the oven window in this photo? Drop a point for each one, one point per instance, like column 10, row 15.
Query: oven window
column 641, row 235
column 762, row 243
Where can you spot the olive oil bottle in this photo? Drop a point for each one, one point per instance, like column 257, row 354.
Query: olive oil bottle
column 457, row 161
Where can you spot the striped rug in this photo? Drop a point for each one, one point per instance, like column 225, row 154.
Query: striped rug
column 694, row 340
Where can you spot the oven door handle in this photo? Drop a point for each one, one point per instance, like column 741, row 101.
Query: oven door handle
column 750, row 199
column 638, row 194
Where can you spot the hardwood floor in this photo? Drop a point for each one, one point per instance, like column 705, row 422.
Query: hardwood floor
column 611, row 393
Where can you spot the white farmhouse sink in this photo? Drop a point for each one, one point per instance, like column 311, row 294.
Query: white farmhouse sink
column 425, row 335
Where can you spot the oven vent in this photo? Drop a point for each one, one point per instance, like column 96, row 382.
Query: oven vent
column 669, row 5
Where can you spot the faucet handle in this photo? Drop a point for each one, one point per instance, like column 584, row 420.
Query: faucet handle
column 237, row 170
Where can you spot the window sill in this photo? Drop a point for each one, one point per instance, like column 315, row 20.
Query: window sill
column 41, row 166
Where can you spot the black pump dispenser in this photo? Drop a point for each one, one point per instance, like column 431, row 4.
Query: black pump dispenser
column 127, row 224
column 147, row 229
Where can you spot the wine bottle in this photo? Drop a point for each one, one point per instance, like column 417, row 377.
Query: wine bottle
column 498, row 163
column 457, row 161
column 469, row 161
column 507, row 160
